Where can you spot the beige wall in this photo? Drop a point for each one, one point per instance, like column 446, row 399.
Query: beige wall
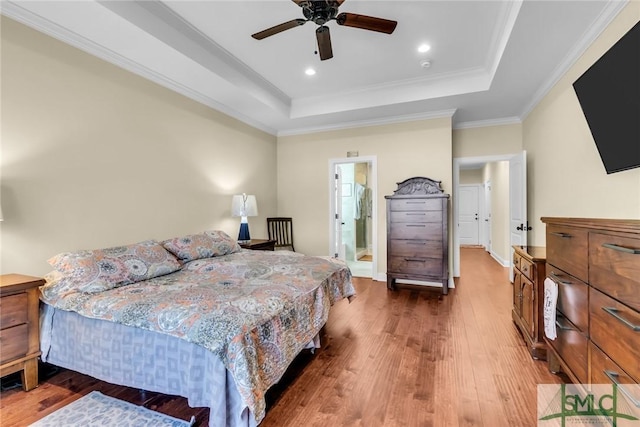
column 403, row 150
column 470, row 176
column 498, row 174
column 487, row 141
column 94, row 156
column 566, row 175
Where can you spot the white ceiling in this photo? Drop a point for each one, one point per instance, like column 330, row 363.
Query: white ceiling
column 491, row 61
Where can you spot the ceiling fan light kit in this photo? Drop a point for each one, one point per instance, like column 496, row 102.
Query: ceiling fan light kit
column 321, row 12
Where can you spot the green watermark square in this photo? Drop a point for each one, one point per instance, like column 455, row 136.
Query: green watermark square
column 593, row 405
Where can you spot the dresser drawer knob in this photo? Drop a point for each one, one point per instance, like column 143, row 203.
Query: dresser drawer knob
column 613, row 376
column 414, row 260
column 633, row 251
column 556, row 278
column 616, row 313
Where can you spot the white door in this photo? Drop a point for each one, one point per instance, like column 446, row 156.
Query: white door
column 518, row 225
column 338, row 250
column 468, row 214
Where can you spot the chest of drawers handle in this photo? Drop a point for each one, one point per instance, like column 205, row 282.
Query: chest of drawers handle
column 563, row 327
column 633, row 251
column 559, row 280
column 615, row 313
column 414, row 259
column 416, row 225
column 613, row 376
column 563, row 235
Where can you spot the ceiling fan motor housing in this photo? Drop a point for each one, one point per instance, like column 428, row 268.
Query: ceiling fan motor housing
column 320, row 11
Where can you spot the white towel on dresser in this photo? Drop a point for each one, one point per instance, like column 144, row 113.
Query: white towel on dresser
column 549, row 309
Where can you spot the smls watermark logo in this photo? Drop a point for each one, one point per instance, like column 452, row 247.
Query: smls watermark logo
column 594, row 405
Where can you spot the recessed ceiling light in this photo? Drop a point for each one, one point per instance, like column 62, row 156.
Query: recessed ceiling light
column 309, row 71
column 424, row 48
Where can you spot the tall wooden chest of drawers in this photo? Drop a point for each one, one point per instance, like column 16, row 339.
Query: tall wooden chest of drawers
column 417, row 233
column 596, row 265
column 19, row 327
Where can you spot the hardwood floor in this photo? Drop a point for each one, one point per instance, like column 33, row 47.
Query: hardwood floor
column 411, row 357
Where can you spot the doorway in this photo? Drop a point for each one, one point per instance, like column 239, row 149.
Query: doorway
column 505, row 215
column 353, row 213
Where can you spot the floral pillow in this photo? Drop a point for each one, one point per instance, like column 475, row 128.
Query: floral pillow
column 204, row 245
column 103, row 269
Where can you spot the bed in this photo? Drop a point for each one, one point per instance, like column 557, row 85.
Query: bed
column 195, row 316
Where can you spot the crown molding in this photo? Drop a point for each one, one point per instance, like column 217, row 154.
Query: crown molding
column 486, row 123
column 366, row 123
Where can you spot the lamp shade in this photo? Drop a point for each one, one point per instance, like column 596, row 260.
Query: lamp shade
column 243, row 205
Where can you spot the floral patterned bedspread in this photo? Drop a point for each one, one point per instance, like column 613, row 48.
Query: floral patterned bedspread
column 255, row 309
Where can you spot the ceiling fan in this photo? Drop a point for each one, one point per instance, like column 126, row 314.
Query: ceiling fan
column 323, row 11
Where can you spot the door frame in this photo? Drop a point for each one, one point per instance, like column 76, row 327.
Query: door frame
column 457, row 162
column 373, row 161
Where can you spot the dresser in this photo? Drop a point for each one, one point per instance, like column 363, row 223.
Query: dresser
column 417, row 233
column 19, row 327
column 528, row 295
column 596, row 266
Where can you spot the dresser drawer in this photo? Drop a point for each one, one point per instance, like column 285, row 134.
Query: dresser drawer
column 615, row 328
column 418, row 266
column 415, row 204
column 14, row 342
column 425, row 231
column 614, row 267
column 14, row 310
column 527, row 268
column 606, row 371
column 416, row 248
column 567, row 248
column 516, row 260
column 416, row 216
column 571, row 345
column 573, row 298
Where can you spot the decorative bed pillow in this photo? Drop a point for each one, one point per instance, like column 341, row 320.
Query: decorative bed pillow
column 204, row 245
column 103, row 269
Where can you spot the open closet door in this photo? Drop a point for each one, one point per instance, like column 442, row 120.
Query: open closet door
column 518, row 224
column 338, row 251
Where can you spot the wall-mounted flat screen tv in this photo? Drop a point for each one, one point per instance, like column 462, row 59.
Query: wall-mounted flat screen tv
column 609, row 94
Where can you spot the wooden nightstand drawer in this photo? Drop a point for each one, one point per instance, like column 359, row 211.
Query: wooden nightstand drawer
column 14, row 310
column 14, row 342
column 20, row 327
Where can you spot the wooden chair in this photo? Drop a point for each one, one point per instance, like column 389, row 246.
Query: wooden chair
column 280, row 229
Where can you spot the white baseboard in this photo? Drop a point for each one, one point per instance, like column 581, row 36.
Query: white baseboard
column 502, row 262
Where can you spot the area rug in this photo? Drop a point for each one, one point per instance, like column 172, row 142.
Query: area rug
column 96, row 409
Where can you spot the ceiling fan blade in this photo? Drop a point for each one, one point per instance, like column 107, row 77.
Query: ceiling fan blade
column 324, row 43
column 366, row 22
column 279, row 28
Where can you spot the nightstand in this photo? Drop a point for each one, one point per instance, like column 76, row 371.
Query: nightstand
column 259, row 245
column 19, row 327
